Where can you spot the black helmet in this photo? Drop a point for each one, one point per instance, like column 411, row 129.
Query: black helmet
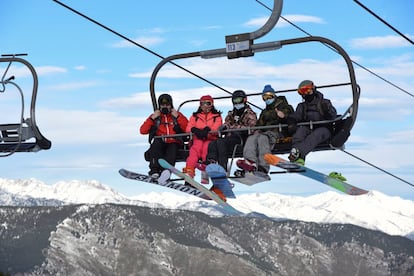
column 239, row 96
column 165, row 99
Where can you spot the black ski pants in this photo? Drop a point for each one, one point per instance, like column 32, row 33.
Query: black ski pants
column 160, row 149
column 221, row 148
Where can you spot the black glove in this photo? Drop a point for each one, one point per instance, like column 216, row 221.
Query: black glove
column 292, row 128
column 222, row 128
column 292, row 125
column 205, row 132
column 177, row 129
column 325, row 106
column 198, row 132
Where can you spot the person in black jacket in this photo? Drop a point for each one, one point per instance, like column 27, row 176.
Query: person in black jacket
column 313, row 108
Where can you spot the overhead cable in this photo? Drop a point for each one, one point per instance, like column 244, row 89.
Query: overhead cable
column 137, row 44
column 354, row 62
column 383, row 21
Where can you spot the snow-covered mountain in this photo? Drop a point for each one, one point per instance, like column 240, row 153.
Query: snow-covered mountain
column 376, row 211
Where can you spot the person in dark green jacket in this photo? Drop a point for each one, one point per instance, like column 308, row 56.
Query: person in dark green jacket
column 263, row 140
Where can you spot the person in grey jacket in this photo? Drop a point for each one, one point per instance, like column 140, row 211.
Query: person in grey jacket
column 313, row 108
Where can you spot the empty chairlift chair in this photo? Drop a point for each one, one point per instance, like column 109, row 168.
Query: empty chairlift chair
column 24, row 135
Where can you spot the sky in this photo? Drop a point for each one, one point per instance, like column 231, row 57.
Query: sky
column 94, row 85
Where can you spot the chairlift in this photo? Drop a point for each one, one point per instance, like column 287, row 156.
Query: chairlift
column 242, row 45
column 22, row 136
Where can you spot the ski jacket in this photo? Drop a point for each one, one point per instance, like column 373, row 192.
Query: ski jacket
column 201, row 120
column 269, row 116
column 165, row 124
column 316, row 110
column 240, row 119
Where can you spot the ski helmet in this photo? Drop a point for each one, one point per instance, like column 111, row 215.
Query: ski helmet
column 306, row 87
column 239, row 96
column 165, row 99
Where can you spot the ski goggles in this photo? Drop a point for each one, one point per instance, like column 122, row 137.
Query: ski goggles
column 206, row 103
column 237, row 100
column 164, row 102
column 268, row 96
column 306, row 89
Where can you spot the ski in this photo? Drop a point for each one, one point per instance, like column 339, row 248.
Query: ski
column 168, row 184
column 342, row 186
column 227, row 207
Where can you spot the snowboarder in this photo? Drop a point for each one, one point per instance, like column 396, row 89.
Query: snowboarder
column 164, row 121
column 203, row 124
column 313, row 108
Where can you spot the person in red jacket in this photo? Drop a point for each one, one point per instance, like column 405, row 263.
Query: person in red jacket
column 201, row 124
column 164, row 121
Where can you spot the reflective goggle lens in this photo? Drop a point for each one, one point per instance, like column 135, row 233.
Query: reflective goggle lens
column 238, row 100
column 206, row 103
column 268, row 96
column 164, row 101
column 306, row 90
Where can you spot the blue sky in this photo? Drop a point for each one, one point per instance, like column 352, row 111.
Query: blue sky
column 94, row 87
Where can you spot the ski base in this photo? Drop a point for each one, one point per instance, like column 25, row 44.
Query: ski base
column 226, row 207
column 342, row 186
column 168, row 184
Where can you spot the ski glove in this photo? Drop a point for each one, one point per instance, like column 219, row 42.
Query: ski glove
column 292, row 128
column 325, row 106
column 200, row 133
column 177, row 129
column 292, row 125
column 222, row 128
column 205, row 132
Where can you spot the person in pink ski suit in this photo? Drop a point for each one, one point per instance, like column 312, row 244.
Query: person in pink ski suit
column 202, row 124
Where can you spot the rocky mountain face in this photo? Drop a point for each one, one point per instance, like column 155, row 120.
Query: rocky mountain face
column 113, row 239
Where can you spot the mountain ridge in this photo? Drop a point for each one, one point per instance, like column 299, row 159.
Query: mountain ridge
column 114, row 239
column 376, row 211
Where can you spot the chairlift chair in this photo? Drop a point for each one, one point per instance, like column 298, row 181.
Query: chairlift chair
column 22, row 136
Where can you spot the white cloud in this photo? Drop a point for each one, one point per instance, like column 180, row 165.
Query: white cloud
column 86, row 127
column 80, row 67
column 72, row 86
column 251, row 69
column 142, row 99
column 23, row 71
column 47, row 70
column 294, row 18
column 380, row 42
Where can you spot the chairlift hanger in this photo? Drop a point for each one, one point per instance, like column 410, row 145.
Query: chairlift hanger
column 18, row 137
column 242, row 45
